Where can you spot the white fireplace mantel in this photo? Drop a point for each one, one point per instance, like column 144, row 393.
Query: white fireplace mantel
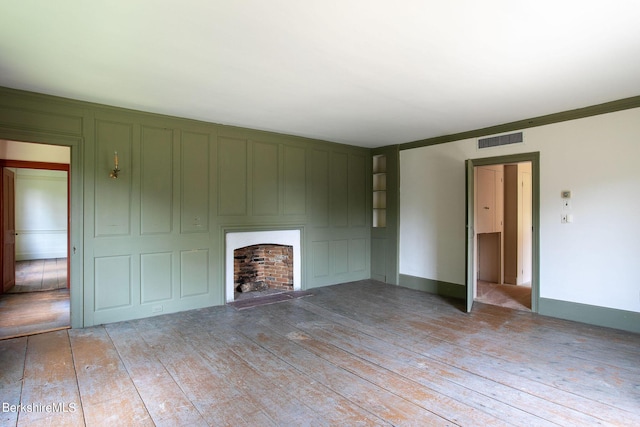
column 235, row 240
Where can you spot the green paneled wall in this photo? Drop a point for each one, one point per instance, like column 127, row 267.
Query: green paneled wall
column 152, row 240
column 232, row 177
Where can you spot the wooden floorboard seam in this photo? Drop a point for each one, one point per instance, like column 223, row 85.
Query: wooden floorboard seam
column 485, row 376
column 356, row 354
column 477, row 407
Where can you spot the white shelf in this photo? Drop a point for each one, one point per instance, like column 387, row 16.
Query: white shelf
column 380, row 191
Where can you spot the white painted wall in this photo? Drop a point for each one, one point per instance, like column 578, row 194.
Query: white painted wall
column 28, row 151
column 41, row 214
column 591, row 261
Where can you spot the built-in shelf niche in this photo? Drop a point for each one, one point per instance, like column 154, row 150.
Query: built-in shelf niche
column 380, row 190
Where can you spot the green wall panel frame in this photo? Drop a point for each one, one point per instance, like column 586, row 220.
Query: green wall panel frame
column 156, row 181
column 37, row 120
column 112, row 282
column 265, row 183
column 194, row 179
column 339, row 184
column 113, row 196
column 357, row 190
column 320, row 188
column 295, row 180
column 340, row 254
column 194, row 272
column 156, row 277
column 232, row 178
column 320, row 256
column 159, row 226
column 358, row 254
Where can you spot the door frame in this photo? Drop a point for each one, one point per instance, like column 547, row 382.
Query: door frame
column 7, row 216
column 76, row 209
column 470, row 165
column 25, row 164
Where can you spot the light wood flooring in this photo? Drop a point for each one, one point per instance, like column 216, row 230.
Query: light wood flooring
column 33, row 313
column 503, row 295
column 361, row 353
column 39, row 302
column 40, row 275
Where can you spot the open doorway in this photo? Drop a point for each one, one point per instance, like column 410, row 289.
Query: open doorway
column 35, row 291
column 503, row 234
column 502, row 218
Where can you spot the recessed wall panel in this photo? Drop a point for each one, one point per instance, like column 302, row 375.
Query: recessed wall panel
column 378, row 257
column 112, row 281
column 320, row 188
column 295, row 181
column 155, row 276
column 112, row 196
column 320, row 257
column 156, row 189
column 339, row 190
column 194, row 272
column 232, row 176
column 340, row 256
column 265, row 179
column 195, row 183
column 358, row 255
column 357, row 191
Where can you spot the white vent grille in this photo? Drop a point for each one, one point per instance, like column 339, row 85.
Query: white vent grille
column 496, row 141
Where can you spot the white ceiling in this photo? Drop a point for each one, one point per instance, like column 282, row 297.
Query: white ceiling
column 362, row 72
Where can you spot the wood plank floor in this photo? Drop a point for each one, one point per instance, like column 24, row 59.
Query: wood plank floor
column 40, row 275
column 34, row 312
column 510, row 296
column 361, row 353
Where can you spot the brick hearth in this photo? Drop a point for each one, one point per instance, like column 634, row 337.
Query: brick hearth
column 268, row 263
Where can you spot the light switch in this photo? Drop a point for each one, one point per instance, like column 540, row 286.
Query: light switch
column 566, row 204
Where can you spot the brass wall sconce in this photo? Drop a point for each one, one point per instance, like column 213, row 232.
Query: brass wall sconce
column 114, row 173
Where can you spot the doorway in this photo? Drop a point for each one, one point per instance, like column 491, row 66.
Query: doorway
column 35, row 252
column 502, row 231
column 503, row 235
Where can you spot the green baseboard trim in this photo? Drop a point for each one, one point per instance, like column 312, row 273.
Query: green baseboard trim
column 591, row 314
column 431, row 286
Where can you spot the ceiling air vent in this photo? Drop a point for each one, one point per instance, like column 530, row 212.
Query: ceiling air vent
column 496, row 141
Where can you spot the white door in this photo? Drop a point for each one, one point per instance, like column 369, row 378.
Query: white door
column 486, row 204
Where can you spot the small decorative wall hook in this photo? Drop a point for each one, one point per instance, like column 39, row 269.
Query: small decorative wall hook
column 115, row 171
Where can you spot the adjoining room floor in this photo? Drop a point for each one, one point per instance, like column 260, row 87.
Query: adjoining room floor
column 510, row 296
column 34, row 312
column 40, row 275
column 39, row 302
column 362, row 353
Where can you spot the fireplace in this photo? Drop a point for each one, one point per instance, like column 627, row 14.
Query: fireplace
column 263, row 267
column 239, row 246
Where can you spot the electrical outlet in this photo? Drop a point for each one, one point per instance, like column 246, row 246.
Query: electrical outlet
column 156, row 309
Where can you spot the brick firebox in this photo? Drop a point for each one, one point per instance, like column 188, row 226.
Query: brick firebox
column 264, row 263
